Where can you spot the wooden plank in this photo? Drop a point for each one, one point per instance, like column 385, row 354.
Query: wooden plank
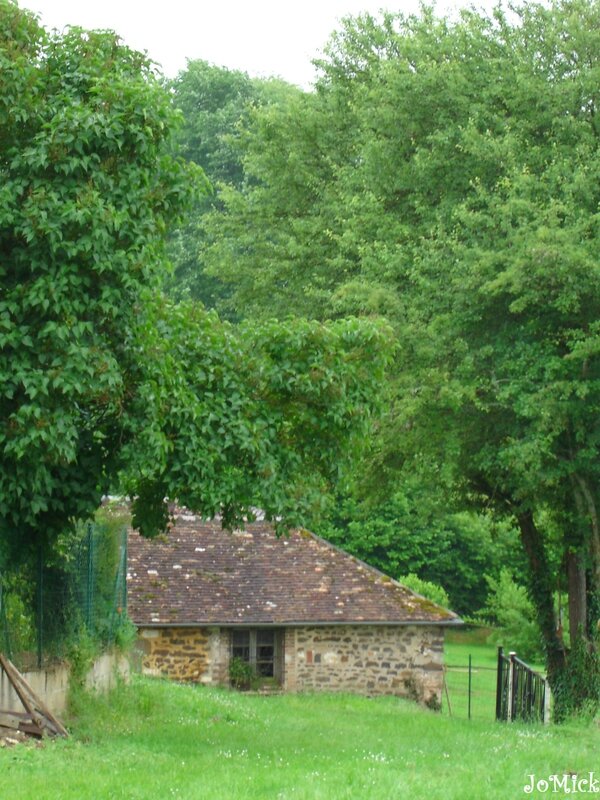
column 20, row 714
column 13, row 676
column 38, row 705
column 11, row 735
column 25, row 728
column 31, row 729
column 8, row 720
column 40, row 713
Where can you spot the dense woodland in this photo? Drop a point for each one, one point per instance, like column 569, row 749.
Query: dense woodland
column 381, row 317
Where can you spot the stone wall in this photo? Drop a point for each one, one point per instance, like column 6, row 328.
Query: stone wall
column 200, row 655
column 369, row 659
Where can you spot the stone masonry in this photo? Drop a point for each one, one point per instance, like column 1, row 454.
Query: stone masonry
column 199, row 655
column 372, row 659
column 403, row 660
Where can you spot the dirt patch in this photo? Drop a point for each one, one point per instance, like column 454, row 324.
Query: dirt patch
column 11, row 738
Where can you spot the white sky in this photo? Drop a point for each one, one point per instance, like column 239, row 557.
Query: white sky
column 261, row 37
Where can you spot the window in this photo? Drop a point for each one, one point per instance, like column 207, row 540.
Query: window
column 241, row 645
column 265, row 653
column 260, row 647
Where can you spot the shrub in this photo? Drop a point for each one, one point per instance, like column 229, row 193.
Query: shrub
column 511, row 610
column 241, row 673
column 432, row 591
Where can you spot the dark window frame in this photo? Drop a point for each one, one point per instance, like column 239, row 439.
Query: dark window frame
column 262, row 648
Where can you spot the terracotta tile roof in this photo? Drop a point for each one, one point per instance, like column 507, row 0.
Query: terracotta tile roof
column 201, row 574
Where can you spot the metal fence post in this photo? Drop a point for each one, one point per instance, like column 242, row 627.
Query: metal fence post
column 90, row 578
column 40, row 607
column 499, row 676
column 5, row 641
column 511, row 686
column 124, row 589
column 469, row 700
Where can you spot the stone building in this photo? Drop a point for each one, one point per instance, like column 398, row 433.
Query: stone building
column 306, row 615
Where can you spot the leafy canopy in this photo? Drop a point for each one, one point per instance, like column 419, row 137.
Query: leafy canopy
column 104, row 383
column 445, row 174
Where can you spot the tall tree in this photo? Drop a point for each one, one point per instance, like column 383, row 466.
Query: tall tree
column 445, row 175
column 217, row 104
column 102, row 381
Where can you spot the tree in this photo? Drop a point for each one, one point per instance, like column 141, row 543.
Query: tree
column 86, row 195
column 414, row 532
column 231, row 420
column 445, row 175
column 217, row 104
column 103, row 382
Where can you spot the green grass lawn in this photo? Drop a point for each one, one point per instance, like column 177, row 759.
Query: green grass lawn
column 154, row 739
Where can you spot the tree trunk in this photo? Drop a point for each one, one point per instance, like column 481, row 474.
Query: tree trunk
column 574, row 681
column 541, row 591
column 594, row 527
column 577, row 583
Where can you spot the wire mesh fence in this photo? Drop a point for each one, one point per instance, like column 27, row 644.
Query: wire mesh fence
column 470, row 691
column 46, row 606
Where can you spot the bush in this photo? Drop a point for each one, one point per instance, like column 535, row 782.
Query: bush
column 432, row 591
column 241, row 673
column 511, row 610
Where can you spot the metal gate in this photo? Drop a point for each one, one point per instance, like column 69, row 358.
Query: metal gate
column 521, row 693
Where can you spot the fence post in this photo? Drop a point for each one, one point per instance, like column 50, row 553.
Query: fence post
column 5, row 641
column 511, row 686
column 499, row 676
column 119, row 608
column 90, row 577
column 469, row 701
column 125, row 555
column 40, row 607
column 547, row 700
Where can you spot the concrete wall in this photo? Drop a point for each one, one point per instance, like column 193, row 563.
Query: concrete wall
column 52, row 684
column 368, row 659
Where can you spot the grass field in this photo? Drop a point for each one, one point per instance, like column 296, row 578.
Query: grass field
column 154, row 740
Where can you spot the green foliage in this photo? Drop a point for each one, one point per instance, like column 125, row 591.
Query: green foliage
column 445, row 175
column 87, row 191
column 512, row 611
column 241, row 673
column 414, row 531
column 217, row 104
column 432, row 591
column 125, row 634
column 577, row 692
column 264, row 417
column 17, row 617
column 81, row 653
column 102, row 380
